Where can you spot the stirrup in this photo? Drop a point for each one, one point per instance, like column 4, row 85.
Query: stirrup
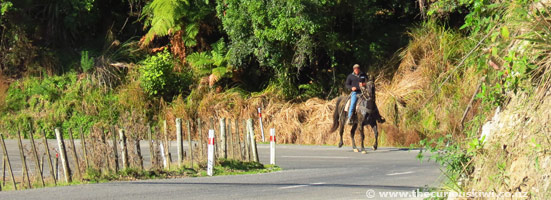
column 349, row 121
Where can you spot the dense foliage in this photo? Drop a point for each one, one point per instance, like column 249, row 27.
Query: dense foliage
column 288, row 43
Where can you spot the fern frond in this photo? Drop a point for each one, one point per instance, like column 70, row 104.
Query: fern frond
column 200, row 60
column 163, row 17
column 220, row 71
column 192, row 30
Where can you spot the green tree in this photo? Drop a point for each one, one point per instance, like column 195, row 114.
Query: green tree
column 303, row 41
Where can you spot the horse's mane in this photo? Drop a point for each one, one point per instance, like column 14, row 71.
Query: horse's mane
column 367, row 91
column 366, row 103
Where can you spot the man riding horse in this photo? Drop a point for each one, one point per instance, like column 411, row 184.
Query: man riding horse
column 353, row 82
column 361, row 111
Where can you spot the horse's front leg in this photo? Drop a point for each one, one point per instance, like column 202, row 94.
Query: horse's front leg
column 362, row 137
column 352, row 132
column 376, row 132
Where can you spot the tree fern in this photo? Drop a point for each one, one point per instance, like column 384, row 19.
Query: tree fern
column 164, row 17
column 213, row 62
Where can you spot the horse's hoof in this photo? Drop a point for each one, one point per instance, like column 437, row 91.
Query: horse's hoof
column 356, row 150
column 364, row 152
column 340, row 145
column 374, row 148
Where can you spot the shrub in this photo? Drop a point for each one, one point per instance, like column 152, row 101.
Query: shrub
column 159, row 80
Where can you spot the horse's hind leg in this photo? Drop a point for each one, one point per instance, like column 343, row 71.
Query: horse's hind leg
column 362, row 137
column 341, row 130
column 376, row 132
column 352, row 132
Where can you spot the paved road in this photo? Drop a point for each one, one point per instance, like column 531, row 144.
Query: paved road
column 310, row 172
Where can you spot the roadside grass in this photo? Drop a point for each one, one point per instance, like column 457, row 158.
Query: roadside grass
column 222, row 167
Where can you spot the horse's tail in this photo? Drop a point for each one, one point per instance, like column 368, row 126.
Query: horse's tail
column 336, row 116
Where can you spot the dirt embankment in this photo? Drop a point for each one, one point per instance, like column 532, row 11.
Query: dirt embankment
column 516, row 156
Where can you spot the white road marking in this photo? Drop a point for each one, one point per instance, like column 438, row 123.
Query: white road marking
column 400, row 173
column 336, row 157
column 293, row 186
column 298, row 186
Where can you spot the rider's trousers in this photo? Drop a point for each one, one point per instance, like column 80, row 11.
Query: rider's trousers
column 353, row 99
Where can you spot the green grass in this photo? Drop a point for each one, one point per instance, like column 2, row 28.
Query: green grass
column 222, row 167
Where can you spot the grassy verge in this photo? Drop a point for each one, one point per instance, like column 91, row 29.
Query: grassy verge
column 222, row 167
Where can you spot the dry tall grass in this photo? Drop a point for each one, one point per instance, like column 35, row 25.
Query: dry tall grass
column 4, row 85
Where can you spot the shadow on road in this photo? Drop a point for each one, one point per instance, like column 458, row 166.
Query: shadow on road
column 387, row 187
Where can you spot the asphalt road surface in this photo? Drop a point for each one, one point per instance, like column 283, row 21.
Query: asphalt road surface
column 309, row 172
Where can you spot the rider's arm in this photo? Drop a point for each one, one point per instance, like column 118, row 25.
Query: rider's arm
column 349, row 82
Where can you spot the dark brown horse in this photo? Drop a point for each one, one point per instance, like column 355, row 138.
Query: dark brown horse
column 366, row 113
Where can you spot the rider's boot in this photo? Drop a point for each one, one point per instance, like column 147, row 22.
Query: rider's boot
column 349, row 121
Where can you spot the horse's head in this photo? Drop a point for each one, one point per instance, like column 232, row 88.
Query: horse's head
column 367, row 89
column 366, row 102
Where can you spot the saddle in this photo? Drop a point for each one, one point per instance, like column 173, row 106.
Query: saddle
column 362, row 108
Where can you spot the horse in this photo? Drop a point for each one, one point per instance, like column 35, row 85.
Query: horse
column 366, row 113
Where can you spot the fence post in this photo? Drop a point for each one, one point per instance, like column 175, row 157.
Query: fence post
column 253, row 140
column 157, row 146
column 163, row 155
column 200, row 137
column 167, row 146
column 223, row 144
column 230, row 140
column 36, row 161
column 246, row 141
column 179, row 142
column 200, row 130
column 47, row 150
column 115, row 149
column 105, row 145
column 272, row 146
column 7, row 159
column 189, row 142
column 238, row 139
column 23, row 160
column 56, row 177
column 210, row 160
column 139, row 152
column 63, row 154
column 74, row 152
column 260, row 121
column 151, row 148
column 124, row 149
column 3, row 170
column 83, row 146
column 35, row 154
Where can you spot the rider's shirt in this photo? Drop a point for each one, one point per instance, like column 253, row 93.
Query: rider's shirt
column 353, row 80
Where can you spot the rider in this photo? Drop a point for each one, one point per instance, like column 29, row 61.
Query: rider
column 353, row 83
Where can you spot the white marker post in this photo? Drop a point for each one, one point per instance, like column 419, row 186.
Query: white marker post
column 272, row 146
column 210, row 162
column 165, row 163
column 261, row 127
